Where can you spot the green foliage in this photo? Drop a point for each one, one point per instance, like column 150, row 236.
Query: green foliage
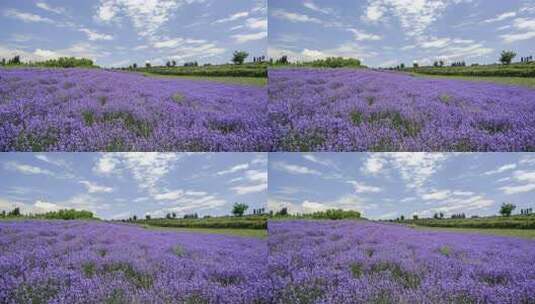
column 61, row 62
column 68, row 214
column 492, row 222
column 66, row 62
column 335, row 214
column 493, row 70
column 506, row 209
column 507, row 56
column 257, row 70
column 14, row 212
column 238, row 57
column 243, row 222
column 239, row 209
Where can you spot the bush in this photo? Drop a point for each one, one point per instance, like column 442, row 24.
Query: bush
column 335, row 62
column 335, row 214
column 68, row 214
column 244, row 222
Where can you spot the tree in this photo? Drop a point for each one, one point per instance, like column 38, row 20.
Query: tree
column 415, row 65
column 239, row 57
column 147, row 217
column 239, row 209
column 173, row 215
column 3, row 213
column 3, row 61
column 168, row 216
column 134, row 65
column 402, row 66
column 402, row 218
column 415, row 217
column 507, row 208
column 168, row 64
column 507, row 56
column 135, row 218
column 173, row 63
column 147, row 64
column 441, row 63
column 14, row 212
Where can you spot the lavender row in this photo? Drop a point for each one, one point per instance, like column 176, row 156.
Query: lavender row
column 95, row 110
column 361, row 262
column 89, row 262
column 362, row 110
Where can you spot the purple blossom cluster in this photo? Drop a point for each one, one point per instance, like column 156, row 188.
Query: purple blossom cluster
column 97, row 110
column 364, row 110
column 92, row 262
column 362, row 262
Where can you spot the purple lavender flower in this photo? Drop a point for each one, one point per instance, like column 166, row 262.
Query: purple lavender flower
column 362, row 110
column 364, row 262
column 96, row 110
column 91, row 262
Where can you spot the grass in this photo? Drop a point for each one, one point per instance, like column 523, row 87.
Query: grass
column 220, row 222
column 521, row 233
column 517, row 81
column 256, row 233
column 251, row 81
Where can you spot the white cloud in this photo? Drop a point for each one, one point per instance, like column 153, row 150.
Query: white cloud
column 254, row 181
column 436, row 195
column 294, row 17
column 241, row 190
column 26, row 17
column 414, row 16
column 233, row 17
column 294, row 169
column 169, row 196
column 94, row 36
column 242, row 38
column 27, row 169
column 417, row 168
column 314, row 7
column 363, row 188
column 43, row 5
column 43, row 207
column 147, row 16
column 310, row 207
column 313, row 158
column 94, row 188
column 525, row 182
column 501, row 17
column 374, row 164
column 234, row 169
column 256, row 23
column 146, row 168
column 501, row 169
column 363, row 36
column 525, row 30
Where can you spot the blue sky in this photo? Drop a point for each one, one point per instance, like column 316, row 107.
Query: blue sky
column 387, row 185
column 121, row 32
column 119, row 185
column 389, row 32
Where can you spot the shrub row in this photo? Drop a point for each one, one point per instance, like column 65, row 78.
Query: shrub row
column 514, row 70
column 512, row 222
column 246, row 70
column 248, row 222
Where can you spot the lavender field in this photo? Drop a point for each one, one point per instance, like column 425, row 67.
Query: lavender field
column 362, row 262
column 349, row 110
column 91, row 262
column 96, row 110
